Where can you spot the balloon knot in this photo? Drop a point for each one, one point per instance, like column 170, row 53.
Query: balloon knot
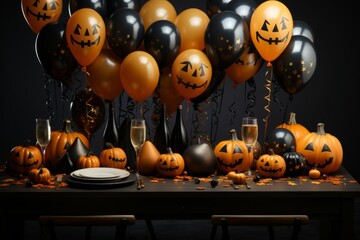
column 268, row 64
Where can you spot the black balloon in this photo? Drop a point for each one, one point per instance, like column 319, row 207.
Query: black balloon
column 53, row 52
column 124, row 31
column 296, row 64
column 100, row 6
column 112, row 5
column 280, row 141
column 244, row 8
column 162, row 41
column 87, row 111
column 301, row 28
column 216, row 78
column 214, row 7
column 225, row 38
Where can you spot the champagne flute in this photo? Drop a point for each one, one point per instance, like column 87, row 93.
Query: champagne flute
column 249, row 133
column 137, row 137
column 43, row 134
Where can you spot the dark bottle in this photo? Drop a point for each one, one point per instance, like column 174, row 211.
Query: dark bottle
column 162, row 138
column 179, row 136
column 111, row 134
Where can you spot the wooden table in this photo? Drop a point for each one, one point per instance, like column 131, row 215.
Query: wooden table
column 331, row 202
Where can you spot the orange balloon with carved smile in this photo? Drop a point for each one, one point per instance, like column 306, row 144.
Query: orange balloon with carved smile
column 271, row 28
column 38, row 13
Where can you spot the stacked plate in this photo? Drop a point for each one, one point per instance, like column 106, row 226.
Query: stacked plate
column 100, row 177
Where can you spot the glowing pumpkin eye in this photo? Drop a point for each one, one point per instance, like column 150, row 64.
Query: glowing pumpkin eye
column 325, row 148
column 223, row 149
column 309, row 147
column 264, row 26
column 36, row 3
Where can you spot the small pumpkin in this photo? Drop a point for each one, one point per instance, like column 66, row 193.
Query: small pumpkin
column 295, row 128
column 321, row 150
column 60, row 142
column 237, row 178
column 41, row 175
column 314, row 173
column 295, row 163
column 233, row 155
column 88, row 161
column 170, row 164
column 271, row 165
column 24, row 158
column 114, row 157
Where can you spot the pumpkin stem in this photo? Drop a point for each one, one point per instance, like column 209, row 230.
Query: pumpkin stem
column 169, row 150
column 320, row 129
column 109, row 145
column 292, row 119
column 271, row 151
column 233, row 135
column 67, row 126
column 198, row 140
column 26, row 143
column 88, row 154
column 292, row 148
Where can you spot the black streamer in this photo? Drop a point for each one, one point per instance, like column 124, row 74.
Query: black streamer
column 48, row 97
column 130, row 107
column 155, row 117
column 231, row 108
column 199, row 122
column 290, row 99
column 275, row 91
column 122, row 113
column 251, row 97
column 216, row 110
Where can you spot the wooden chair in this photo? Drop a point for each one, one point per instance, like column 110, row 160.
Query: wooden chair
column 48, row 223
column 258, row 220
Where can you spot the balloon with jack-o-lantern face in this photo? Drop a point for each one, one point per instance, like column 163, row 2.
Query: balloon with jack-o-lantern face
column 271, row 28
column 85, row 35
column 38, row 13
column 191, row 73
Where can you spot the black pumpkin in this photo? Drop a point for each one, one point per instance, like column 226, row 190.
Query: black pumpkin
column 295, row 163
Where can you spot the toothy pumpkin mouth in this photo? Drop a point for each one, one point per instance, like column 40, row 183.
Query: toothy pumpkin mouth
column 189, row 85
column 271, row 40
column 113, row 159
column 236, row 163
column 326, row 163
column 38, row 16
column 169, row 169
column 83, row 44
column 267, row 170
column 34, row 163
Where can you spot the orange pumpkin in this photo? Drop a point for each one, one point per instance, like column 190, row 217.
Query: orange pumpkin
column 88, row 161
column 233, row 154
column 114, row 157
column 295, row 128
column 24, row 158
column 60, row 142
column 314, row 174
column 170, row 164
column 321, row 150
column 148, row 158
column 41, row 175
column 271, row 165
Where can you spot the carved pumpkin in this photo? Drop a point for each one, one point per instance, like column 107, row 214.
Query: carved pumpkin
column 41, row 175
column 271, row 165
column 24, row 158
column 191, row 73
column 295, row 163
column 295, row 128
column 148, row 158
column 114, row 157
column 60, row 142
column 321, row 150
column 38, row 13
column 233, row 155
column 170, row 164
column 88, row 161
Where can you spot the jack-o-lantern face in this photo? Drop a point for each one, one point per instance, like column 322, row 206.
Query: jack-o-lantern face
column 271, row 29
column 85, row 35
column 170, row 164
column 271, row 165
column 191, row 73
column 38, row 13
column 114, row 157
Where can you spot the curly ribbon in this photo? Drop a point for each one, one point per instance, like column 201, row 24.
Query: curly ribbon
column 231, row 108
column 90, row 113
column 250, row 96
column 130, row 107
column 199, row 122
column 48, row 98
column 122, row 112
column 79, row 82
column 268, row 77
column 290, row 99
column 156, row 106
column 216, row 110
column 275, row 91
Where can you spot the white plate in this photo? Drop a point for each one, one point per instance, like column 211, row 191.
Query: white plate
column 100, row 173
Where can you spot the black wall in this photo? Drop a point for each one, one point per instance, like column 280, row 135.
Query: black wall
column 332, row 96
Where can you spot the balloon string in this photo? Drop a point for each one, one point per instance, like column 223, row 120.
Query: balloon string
column 286, row 106
column 251, row 97
column 216, row 110
column 199, row 122
column 122, row 112
column 276, row 90
column 48, row 98
column 231, row 108
column 77, row 80
column 130, row 107
column 267, row 97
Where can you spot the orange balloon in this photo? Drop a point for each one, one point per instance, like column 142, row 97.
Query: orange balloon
column 168, row 93
column 85, row 35
column 271, row 28
column 139, row 74
column 191, row 73
column 152, row 11
column 192, row 24
column 104, row 75
column 39, row 13
column 246, row 66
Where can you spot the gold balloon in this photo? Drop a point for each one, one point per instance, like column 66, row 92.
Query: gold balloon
column 153, row 11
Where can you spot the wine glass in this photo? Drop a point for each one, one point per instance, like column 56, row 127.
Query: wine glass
column 137, row 137
column 43, row 134
column 249, row 133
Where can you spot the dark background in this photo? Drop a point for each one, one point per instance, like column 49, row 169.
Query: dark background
column 331, row 97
